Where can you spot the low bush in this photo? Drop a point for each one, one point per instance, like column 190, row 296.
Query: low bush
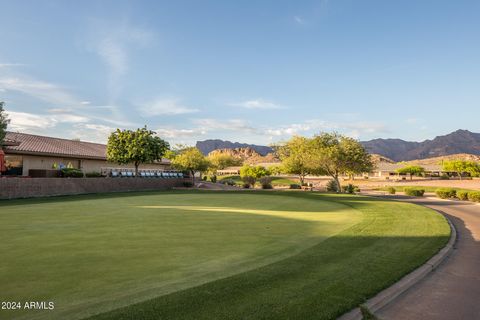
column 266, row 182
column 228, row 182
column 213, row 178
column 414, row 192
column 391, row 190
column 474, row 196
column 446, row 193
column 350, row 188
column 71, row 173
column 204, row 178
column 246, row 185
column 462, row 195
column 187, row 184
column 93, row 175
column 248, row 180
column 332, row 186
column 444, row 177
column 295, row 186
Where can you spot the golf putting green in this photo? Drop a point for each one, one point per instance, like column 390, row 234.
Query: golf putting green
column 208, row 255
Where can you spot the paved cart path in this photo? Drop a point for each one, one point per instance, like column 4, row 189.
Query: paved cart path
column 452, row 291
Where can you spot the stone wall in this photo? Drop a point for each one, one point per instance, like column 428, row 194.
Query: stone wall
column 13, row 188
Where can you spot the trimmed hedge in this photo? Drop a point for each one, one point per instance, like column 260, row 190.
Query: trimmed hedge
column 462, row 195
column 474, row 196
column 391, row 190
column 295, row 186
column 93, row 175
column 414, row 192
column 446, row 193
column 71, row 173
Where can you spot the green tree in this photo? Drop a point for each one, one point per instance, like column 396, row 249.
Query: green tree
column 412, row 171
column 4, row 121
column 251, row 174
column 334, row 154
column 137, row 147
column 192, row 160
column 460, row 167
column 295, row 156
column 220, row 161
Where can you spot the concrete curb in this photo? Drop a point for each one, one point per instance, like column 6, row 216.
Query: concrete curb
column 388, row 295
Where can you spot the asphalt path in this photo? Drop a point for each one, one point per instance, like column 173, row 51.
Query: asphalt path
column 452, row 291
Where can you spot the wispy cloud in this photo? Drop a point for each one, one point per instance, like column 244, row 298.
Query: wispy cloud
column 37, row 89
column 173, row 133
column 299, row 20
column 114, row 42
column 91, row 132
column 257, row 104
column 165, row 107
column 237, row 125
column 24, row 121
column 10, row 65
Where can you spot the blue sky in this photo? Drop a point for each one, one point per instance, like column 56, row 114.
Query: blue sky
column 247, row 71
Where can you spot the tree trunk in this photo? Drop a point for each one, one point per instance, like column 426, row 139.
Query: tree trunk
column 302, row 179
column 460, row 175
column 337, row 181
column 193, row 177
column 136, row 169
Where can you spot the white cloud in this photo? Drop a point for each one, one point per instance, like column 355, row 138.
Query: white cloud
column 92, row 132
column 256, row 104
column 41, row 90
column 299, row 20
column 238, row 125
column 165, row 107
column 9, row 65
column 85, row 103
column 172, row 133
column 113, row 42
column 23, row 121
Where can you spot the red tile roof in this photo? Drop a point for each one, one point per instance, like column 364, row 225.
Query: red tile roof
column 41, row 145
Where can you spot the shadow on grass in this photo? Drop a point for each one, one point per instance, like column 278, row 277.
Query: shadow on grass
column 322, row 282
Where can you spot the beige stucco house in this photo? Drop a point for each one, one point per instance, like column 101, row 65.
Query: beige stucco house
column 24, row 152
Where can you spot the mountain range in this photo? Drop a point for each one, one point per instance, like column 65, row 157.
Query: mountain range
column 460, row 141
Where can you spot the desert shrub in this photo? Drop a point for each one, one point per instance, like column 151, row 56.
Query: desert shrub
column 266, row 182
column 295, row 186
column 414, row 192
column 204, row 178
column 248, row 180
column 93, row 174
column 474, row 196
column 187, row 184
column 246, row 185
column 213, row 178
column 350, row 188
column 444, row 177
column 71, row 173
column 462, row 195
column 391, row 190
column 228, row 182
column 332, row 186
column 446, row 193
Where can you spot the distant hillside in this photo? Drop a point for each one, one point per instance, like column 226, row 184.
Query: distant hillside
column 460, row 141
column 208, row 146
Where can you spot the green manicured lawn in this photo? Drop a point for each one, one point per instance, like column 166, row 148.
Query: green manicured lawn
column 206, row 255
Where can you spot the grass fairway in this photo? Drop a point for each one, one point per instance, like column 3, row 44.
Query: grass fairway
column 205, row 255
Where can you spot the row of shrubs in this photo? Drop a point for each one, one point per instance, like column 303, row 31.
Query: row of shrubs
column 450, row 193
column 443, row 193
column 76, row 173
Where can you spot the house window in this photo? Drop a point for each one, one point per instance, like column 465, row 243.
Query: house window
column 14, row 164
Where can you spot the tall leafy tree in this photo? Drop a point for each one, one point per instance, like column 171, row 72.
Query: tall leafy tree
column 220, row 161
column 334, row 154
column 4, row 121
column 250, row 174
column 192, row 160
column 461, row 167
column 295, row 156
column 137, row 147
column 412, row 171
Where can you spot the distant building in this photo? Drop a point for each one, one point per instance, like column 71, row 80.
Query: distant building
column 24, row 152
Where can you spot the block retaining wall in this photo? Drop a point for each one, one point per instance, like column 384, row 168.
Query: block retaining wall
column 14, row 188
